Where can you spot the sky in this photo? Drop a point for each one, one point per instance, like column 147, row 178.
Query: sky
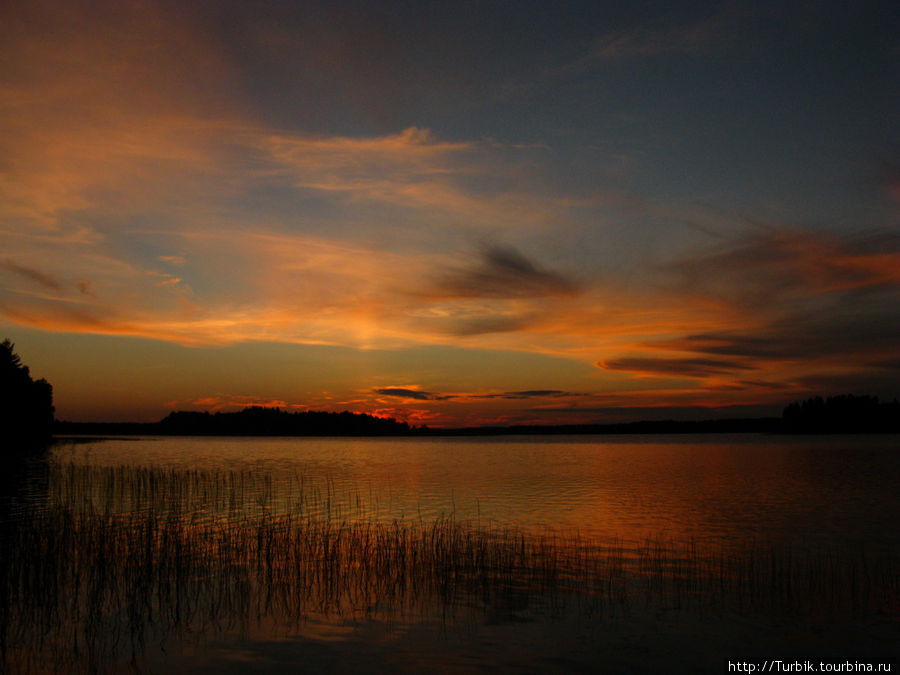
column 454, row 213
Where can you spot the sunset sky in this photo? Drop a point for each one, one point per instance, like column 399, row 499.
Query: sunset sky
column 451, row 213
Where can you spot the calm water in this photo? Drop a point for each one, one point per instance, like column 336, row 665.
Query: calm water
column 832, row 489
column 823, row 511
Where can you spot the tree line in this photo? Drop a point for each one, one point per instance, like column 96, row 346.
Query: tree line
column 841, row 414
column 27, row 418
column 259, row 421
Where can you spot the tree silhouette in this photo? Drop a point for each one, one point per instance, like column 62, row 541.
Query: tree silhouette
column 258, row 421
column 26, row 405
column 842, row 414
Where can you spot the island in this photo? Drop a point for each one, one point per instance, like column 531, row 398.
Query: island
column 837, row 414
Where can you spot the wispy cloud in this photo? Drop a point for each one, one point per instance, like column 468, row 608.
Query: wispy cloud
column 85, row 287
column 850, row 335
column 670, row 36
column 717, row 30
column 503, row 272
column 642, row 42
column 811, row 307
column 692, row 367
column 36, row 276
column 776, row 264
column 84, row 106
column 121, row 194
column 470, row 182
column 231, row 403
column 405, row 393
column 421, row 395
column 785, row 304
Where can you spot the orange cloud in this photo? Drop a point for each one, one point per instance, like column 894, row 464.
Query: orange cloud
column 98, row 94
column 228, row 403
column 312, row 290
column 413, row 170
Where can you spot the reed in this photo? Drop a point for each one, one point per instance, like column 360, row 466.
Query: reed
column 116, row 559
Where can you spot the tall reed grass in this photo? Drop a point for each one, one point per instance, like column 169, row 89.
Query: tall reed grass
column 117, row 561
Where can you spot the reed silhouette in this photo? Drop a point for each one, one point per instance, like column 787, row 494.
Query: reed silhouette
column 121, row 561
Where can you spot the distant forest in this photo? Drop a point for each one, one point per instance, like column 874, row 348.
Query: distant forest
column 252, row 421
column 27, row 418
column 257, row 421
column 841, row 414
column 838, row 414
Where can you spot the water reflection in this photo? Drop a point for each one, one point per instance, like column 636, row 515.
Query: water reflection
column 24, row 481
column 115, row 566
column 838, row 491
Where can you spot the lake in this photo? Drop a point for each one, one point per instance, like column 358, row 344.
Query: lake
column 511, row 554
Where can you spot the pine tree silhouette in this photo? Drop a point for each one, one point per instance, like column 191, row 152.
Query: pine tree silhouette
column 26, row 405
